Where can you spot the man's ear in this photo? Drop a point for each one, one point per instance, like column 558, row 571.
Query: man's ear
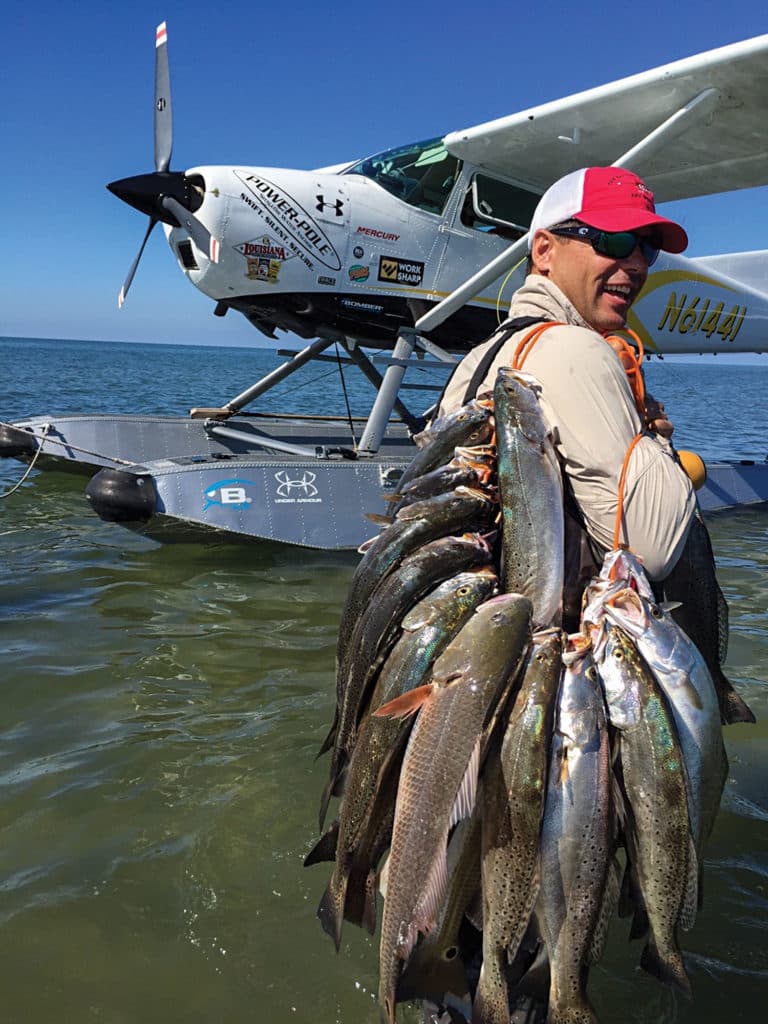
column 542, row 247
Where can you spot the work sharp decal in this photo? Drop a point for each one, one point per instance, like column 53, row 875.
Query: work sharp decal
column 399, row 271
column 228, row 494
column 289, row 220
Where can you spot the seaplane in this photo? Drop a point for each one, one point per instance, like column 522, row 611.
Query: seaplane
column 402, row 252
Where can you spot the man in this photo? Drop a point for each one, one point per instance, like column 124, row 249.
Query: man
column 592, row 239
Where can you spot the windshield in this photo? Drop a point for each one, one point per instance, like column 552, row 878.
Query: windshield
column 421, row 174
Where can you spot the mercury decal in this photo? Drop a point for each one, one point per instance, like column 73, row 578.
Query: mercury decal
column 295, row 220
column 385, row 236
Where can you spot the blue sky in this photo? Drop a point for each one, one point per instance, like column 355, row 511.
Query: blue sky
column 291, row 84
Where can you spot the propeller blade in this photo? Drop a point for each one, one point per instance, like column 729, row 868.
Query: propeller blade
column 132, row 271
column 199, row 234
column 163, row 114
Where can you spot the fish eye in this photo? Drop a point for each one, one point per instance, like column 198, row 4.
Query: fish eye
column 591, row 674
column 656, row 611
column 464, row 590
column 618, row 655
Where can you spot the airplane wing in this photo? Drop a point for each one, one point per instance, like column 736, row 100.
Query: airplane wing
column 722, row 149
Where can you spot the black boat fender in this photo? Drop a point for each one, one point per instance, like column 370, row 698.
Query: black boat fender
column 119, row 496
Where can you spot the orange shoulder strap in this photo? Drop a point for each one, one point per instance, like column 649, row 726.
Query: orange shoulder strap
column 631, row 360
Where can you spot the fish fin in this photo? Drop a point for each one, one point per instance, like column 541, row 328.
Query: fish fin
column 367, row 544
column 691, row 895
column 406, row 704
column 378, row 518
column 330, row 739
column 330, row 911
column 325, row 796
column 466, row 796
column 563, row 772
column 474, row 911
column 427, row 908
column 670, row 606
column 611, row 894
column 384, row 878
column 325, row 848
column 368, row 920
column 732, row 708
column 670, row 970
column 360, row 899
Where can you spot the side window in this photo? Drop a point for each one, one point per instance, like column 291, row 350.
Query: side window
column 498, row 206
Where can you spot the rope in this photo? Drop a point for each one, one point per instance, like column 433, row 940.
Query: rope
column 617, row 528
column 631, row 361
column 346, row 397
column 31, row 466
column 72, row 447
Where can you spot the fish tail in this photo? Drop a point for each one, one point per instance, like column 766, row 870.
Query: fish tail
column 577, row 1012
column 491, row 1002
column 330, row 910
column 668, row 968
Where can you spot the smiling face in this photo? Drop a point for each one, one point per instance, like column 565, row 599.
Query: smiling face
column 601, row 288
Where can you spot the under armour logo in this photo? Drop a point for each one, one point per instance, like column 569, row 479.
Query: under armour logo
column 337, row 205
column 160, row 103
column 305, row 484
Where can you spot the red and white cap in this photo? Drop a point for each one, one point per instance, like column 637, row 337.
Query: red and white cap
column 609, row 199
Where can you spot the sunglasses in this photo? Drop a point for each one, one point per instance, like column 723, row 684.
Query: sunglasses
column 615, row 244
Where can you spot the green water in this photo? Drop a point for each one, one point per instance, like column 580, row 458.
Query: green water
column 162, row 706
column 160, row 711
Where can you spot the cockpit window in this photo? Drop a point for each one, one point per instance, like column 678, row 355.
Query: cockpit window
column 421, row 174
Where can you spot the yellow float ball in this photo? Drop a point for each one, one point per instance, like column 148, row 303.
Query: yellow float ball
column 693, row 465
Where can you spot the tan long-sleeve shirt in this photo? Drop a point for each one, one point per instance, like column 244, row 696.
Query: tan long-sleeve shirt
column 589, row 407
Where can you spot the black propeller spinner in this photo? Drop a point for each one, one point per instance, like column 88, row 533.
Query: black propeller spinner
column 168, row 196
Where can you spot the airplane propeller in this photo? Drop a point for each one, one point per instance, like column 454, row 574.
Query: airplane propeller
column 168, row 196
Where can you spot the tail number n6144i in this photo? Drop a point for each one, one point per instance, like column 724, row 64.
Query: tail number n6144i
column 691, row 318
